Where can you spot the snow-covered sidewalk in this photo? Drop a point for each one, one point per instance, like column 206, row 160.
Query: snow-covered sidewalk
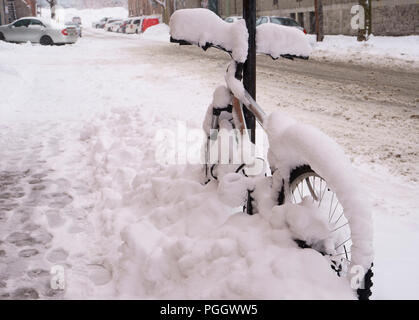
column 402, row 52
column 83, row 119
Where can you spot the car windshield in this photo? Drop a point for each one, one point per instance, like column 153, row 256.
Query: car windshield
column 284, row 21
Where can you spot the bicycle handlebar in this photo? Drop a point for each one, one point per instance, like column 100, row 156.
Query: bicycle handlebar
column 210, row 45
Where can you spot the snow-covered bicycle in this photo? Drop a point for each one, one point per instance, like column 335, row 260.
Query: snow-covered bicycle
column 309, row 179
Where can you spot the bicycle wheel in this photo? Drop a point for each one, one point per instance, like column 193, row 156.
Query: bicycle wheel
column 303, row 183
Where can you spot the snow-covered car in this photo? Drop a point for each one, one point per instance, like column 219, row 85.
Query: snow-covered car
column 109, row 24
column 283, row 21
column 101, row 23
column 37, row 30
column 123, row 27
column 232, row 19
column 75, row 25
column 135, row 25
column 116, row 26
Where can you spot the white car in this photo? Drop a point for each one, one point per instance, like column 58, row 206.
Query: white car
column 75, row 25
column 135, row 26
column 37, row 30
column 109, row 24
column 283, row 21
column 116, row 26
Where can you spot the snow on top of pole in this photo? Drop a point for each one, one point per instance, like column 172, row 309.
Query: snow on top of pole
column 202, row 26
column 277, row 40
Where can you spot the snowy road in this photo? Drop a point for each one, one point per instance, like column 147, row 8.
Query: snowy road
column 79, row 186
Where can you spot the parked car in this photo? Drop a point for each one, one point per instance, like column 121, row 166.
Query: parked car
column 123, row 27
column 232, row 19
column 109, row 24
column 75, row 25
column 101, row 23
column 115, row 26
column 148, row 22
column 76, row 20
column 135, row 25
column 36, row 30
column 284, row 21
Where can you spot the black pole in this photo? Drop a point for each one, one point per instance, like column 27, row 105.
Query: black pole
column 249, row 77
column 249, row 71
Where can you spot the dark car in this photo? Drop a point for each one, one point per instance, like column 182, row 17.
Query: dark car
column 283, row 21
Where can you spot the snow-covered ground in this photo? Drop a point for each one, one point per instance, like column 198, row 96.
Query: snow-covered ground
column 381, row 51
column 80, row 186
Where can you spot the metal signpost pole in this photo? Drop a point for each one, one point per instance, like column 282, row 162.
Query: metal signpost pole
column 249, row 75
column 249, row 71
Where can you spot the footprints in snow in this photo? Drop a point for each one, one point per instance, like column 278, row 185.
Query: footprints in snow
column 26, row 254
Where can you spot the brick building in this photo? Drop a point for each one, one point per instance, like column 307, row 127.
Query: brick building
column 144, row 7
column 389, row 17
column 11, row 10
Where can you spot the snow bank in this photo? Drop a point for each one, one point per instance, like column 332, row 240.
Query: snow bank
column 202, row 26
column 400, row 51
column 158, row 32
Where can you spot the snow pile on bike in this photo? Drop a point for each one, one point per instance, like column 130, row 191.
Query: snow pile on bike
column 202, row 27
column 167, row 236
column 293, row 144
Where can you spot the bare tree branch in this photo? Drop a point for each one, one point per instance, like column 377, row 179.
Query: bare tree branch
column 161, row 2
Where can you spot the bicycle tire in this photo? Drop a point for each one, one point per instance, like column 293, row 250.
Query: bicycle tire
column 300, row 173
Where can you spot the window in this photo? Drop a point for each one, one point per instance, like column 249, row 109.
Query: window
column 292, row 15
column 275, row 2
column 262, row 20
column 301, row 18
column 312, row 22
column 35, row 22
column 22, row 23
column 137, row 21
column 280, row 21
column 292, row 23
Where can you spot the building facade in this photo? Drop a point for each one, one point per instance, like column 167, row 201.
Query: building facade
column 144, row 7
column 10, row 10
column 389, row 17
